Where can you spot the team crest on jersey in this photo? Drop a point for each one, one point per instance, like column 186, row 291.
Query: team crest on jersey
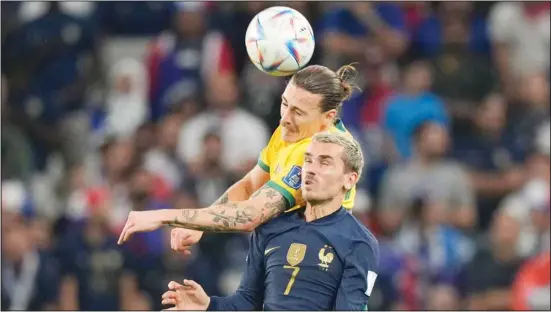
column 326, row 257
column 293, row 178
column 296, row 253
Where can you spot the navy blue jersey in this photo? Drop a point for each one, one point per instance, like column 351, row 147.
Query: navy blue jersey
column 327, row 264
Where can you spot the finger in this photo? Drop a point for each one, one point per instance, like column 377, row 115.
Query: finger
column 186, row 252
column 129, row 231
column 168, row 301
column 123, row 234
column 187, row 240
column 174, row 285
column 191, row 284
column 169, row 294
column 171, row 309
column 172, row 243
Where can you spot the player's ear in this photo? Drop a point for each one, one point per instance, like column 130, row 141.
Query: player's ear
column 350, row 180
column 330, row 115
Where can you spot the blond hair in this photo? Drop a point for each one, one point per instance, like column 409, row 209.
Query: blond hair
column 352, row 155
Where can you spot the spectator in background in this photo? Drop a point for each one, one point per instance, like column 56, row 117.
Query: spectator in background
column 531, row 111
column 107, row 190
column 520, row 36
column 411, row 106
column 430, row 177
column 163, row 160
column 94, row 276
column 235, row 126
column 431, row 276
column 15, row 148
column 144, row 18
column 148, row 249
column 430, row 37
column 528, row 207
column 493, row 268
column 179, row 61
column 50, row 62
column 30, row 278
column 462, row 77
column 532, row 285
column 210, row 176
column 350, row 28
column 494, row 165
column 127, row 106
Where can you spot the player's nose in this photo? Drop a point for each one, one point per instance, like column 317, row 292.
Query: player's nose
column 285, row 118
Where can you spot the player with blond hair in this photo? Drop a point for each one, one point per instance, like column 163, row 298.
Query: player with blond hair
column 318, row 257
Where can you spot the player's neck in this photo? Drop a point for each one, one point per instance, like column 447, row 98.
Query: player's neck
column 319, row 210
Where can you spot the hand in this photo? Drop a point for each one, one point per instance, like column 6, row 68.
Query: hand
column 181, row 240
column 140, row 221
column 190, row 296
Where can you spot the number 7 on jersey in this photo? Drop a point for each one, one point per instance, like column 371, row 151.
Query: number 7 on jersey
column 292, row 279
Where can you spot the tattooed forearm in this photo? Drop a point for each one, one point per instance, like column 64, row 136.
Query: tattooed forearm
column 233, row 216
column 222, row 200
column 271, row 210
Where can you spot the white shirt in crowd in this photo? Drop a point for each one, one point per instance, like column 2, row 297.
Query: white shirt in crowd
column 243, row 137
column 527, row 38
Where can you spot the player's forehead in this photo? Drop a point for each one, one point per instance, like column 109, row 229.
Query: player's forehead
column 324, row 150
column 300, row 98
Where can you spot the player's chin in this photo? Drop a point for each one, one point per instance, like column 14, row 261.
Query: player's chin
column 309, row 194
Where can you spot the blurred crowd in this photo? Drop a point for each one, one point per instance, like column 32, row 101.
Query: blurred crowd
column 109, row 107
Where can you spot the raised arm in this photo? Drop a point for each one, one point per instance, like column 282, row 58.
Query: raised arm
column 230, row 217
column 243, row 216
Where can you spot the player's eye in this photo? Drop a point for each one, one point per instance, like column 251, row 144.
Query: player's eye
column 284, row 104
column 308, row 161
column 325, row 163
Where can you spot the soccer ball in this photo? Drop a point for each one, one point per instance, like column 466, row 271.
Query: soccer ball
column 280, row 41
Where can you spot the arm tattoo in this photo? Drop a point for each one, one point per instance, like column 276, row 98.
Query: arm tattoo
column 234, row 216
column 222, row 200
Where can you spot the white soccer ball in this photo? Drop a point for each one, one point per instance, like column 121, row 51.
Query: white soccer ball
column 280, row 41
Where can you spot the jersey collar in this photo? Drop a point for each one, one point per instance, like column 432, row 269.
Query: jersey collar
column 299, row 216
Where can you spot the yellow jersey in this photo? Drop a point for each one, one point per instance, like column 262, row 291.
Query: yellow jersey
column 283, row 161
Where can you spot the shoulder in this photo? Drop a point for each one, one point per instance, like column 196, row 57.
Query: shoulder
column 431, row 98
column 275, row 140
column 277, row 225
column 360, row 235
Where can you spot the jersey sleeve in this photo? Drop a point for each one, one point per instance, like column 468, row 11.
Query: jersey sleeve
column 264, row 160
column 359, row 275
column 286, row 178
column 250, row 294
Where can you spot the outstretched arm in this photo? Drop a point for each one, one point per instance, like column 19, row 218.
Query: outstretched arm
column 243, row 216
column 231, row 217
